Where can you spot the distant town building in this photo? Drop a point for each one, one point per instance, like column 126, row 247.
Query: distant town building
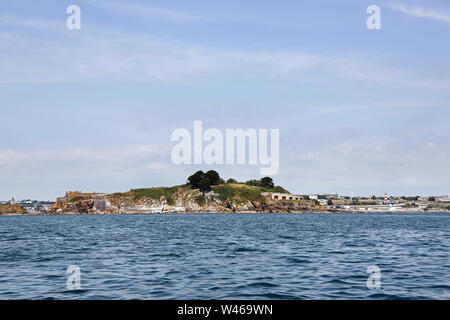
column 331, row 196
column 35, row 206
column 443, row 198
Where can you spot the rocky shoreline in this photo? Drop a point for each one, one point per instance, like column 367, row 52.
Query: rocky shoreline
column 222, row 198
column 226, row 198
column 207, row 212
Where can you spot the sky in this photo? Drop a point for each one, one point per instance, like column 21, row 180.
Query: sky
column 359, row 111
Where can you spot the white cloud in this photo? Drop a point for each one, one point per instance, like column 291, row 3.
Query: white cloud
column 92, row 53
column 124, row 7
column 32, row 23
column 112, row 157
column 45, row 174
column 367, row 165
column 420, row 12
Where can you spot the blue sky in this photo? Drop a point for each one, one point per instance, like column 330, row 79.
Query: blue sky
column 93, row 109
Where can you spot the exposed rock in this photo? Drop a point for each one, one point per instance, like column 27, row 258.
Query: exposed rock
column 10, row 209
column 234, row 198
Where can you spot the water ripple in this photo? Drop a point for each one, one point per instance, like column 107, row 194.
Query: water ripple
column 239, row 256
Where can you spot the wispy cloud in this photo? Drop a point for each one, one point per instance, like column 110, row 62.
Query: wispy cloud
column 48, row 172
column 127, row 7
column 151, row 156
column 95, row 53
column 368, row 164
column 421, row 12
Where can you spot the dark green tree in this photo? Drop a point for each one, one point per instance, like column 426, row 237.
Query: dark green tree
column 231, row 180
column 267, row 182
column 205, row 184
column 213, row 177
column 195, row 179
column 204, row 181
column 253, row 182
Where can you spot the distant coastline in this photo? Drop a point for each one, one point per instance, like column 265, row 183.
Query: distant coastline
column 209, row 193
column 221, row 213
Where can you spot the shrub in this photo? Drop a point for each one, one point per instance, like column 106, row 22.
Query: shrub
column 255, row 183
column 280, row 189
column 75, row 199
column 200, row 200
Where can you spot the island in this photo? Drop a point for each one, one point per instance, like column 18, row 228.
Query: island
column 204, row 192
column 207, row 192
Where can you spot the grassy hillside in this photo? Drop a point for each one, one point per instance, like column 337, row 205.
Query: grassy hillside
column 225, row 192
column 222, row 196
column 238, row 192
column 156, row 193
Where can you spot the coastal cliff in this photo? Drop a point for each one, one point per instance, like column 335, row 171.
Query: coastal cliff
column 11, row 209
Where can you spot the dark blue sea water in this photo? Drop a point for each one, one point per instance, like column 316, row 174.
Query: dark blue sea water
column 228, row 256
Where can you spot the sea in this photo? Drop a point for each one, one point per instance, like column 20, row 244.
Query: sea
column 226, row 256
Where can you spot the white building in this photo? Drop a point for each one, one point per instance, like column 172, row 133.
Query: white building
column 332, row 196
column 281, row 196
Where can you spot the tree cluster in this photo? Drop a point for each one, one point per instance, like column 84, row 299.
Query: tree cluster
column 266, row 182
column 203, row 181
